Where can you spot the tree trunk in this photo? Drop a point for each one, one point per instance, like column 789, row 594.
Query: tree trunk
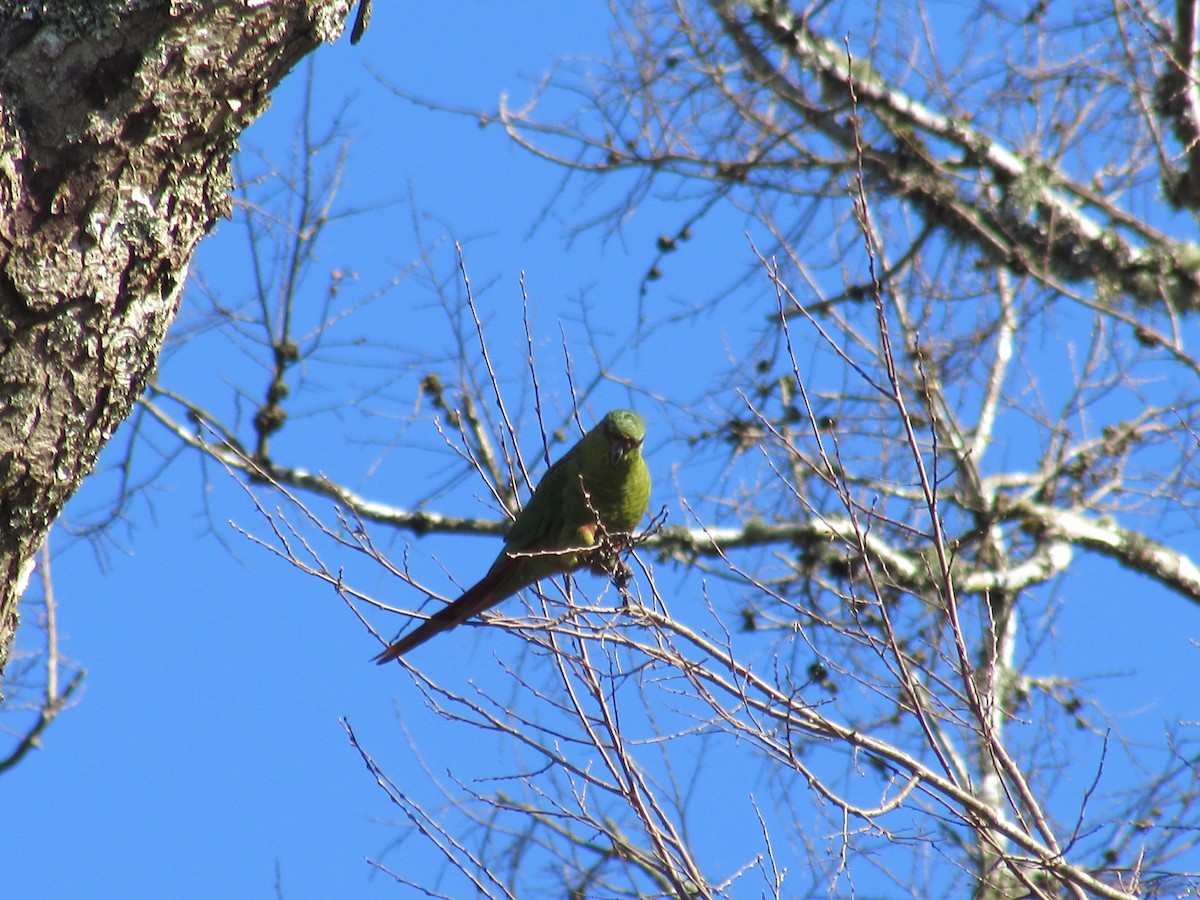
column 117, row 123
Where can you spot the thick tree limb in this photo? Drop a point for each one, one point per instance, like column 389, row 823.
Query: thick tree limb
column 1058, row 242
column 117, row 122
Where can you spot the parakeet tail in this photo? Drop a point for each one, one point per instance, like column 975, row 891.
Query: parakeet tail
column 474, row 601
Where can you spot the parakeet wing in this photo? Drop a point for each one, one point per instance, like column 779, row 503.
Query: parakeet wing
column 540, row 522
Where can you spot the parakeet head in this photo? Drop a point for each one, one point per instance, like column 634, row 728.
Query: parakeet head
column 625, row 432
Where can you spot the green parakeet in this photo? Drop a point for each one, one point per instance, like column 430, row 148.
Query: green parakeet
column 601, row 482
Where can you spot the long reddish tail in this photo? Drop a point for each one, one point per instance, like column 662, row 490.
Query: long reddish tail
column 474, row 601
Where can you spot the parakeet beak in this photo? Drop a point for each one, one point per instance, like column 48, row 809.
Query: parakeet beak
column 618, row 449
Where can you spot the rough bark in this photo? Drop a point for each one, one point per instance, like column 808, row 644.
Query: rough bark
column 117, row 123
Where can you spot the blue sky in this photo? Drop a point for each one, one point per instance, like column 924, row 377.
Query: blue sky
column 206, row 756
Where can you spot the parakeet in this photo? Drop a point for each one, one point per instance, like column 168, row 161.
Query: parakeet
column 602, row 477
